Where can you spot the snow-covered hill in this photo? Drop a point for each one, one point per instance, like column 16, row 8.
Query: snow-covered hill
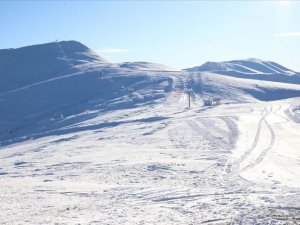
column 31, row 64
column 43, row 84
column 251, row 69
column 87, row 141
column 51, row 81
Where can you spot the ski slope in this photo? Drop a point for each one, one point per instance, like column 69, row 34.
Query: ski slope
column 105, row 143
column 172, row 165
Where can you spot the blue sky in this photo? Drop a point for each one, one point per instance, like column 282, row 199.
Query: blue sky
column 178, row 33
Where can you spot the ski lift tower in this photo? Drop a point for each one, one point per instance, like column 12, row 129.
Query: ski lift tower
column 188, row 92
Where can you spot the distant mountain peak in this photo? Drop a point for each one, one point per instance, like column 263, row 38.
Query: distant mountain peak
column 252, row 60
column 72, row 42
column 251, row 68
column 70, row 50
column 77, row 50
column 35, row 63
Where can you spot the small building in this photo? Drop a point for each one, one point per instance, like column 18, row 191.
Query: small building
column 207, row 102
column 212, row 102
column 216, row 101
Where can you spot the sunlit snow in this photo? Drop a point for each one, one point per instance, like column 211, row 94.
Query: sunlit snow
column 86, row 141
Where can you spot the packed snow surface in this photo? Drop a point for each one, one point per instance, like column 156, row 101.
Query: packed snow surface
column 104, row 143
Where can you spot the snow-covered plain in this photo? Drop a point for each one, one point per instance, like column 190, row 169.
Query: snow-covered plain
column 132, row 152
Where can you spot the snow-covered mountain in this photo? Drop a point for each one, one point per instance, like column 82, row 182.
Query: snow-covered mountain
column 31, row 64
column 50, row 81
column 43, row 84
column 83, row 140
column 251, row 69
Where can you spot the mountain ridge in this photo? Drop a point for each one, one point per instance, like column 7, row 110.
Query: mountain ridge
column 251, row 65
column 250, row 69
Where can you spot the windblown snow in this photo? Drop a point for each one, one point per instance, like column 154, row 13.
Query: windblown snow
column 87, row 141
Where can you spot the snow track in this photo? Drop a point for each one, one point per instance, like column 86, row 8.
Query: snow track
column 40, row 83
column 265, row 112
column 270, row 145
column 265, row 161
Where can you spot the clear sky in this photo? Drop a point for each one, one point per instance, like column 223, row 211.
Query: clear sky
column 178, row 33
